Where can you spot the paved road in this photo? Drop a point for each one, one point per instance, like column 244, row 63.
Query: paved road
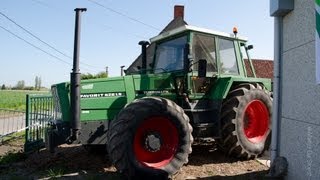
column 11, row 124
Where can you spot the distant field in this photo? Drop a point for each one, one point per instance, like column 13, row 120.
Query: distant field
column 16, row 99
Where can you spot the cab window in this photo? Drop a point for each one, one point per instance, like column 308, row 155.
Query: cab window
column 203, row 47
column 228, row 61
column 170, row 55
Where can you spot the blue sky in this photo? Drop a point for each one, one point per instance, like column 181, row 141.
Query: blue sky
column 109, row 39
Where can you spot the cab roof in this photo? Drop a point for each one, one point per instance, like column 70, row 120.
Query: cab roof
column 195, row 29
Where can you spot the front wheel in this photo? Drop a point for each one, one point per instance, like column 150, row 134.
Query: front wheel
column 150, row 137
column 246, row 121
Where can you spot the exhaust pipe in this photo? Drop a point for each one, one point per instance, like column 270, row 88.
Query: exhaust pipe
column 122, row 70
column 144, row 45
column 75, row 79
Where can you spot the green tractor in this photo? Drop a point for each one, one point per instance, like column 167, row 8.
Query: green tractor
column 189, row 83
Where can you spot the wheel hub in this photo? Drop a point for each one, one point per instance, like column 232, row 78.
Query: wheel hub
column 153, row 142
column 156, row 142
column 256, row 121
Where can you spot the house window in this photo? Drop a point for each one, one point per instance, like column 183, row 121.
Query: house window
column 228, row 61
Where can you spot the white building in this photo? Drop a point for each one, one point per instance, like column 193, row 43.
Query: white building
column 297, row 91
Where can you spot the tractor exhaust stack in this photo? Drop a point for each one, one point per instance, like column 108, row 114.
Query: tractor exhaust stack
column 75, row 79
column 144, row 45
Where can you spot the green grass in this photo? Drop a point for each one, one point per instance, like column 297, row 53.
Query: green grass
column 16, row 99
column 16, row 135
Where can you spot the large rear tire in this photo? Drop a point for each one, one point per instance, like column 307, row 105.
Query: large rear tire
column 150, row 137
column 246, row 121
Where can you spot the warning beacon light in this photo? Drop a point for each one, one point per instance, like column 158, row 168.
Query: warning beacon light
column 235, row 31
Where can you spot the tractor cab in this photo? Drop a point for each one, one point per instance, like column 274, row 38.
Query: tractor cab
column 198, row 51
column 195, row 58
column 195, row 52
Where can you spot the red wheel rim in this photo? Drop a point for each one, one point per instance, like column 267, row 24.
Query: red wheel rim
column 168, row 135
column 256, row 121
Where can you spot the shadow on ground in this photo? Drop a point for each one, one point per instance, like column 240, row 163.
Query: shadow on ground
column 208, row 154
column 74, row 162
column 260, row 175
column 67, row 161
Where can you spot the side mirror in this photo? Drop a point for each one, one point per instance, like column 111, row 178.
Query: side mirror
column 202, row 68
column 250, row 47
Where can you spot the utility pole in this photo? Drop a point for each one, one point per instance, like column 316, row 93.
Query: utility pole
column 107, row 71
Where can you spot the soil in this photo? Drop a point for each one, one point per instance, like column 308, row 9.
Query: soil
column 75, row 162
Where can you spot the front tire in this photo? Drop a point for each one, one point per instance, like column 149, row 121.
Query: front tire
column 246, row 121
column 150, row 137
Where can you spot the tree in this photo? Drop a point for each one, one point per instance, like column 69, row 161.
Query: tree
column 91, row 76
column 102, row 75
column 20, row 85
column 3, row 87
column 37, row 84
column 87, row 76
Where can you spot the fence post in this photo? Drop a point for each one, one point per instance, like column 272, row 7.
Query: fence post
column 27, row 121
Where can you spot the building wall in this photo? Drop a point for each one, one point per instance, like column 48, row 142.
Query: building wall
column 300, row 117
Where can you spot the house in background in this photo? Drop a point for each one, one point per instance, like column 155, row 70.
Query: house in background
column 262, row 67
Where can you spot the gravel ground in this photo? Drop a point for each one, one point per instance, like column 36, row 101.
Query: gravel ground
column 74, row 162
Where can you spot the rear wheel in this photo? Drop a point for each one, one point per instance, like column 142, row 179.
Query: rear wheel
column 246, row 121
column 151, row 137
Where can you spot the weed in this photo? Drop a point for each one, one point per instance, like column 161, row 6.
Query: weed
column 56, row 172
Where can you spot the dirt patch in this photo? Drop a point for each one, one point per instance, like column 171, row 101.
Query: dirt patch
column 14, row 145
column 206, row 162
column 74, row 162
column 4, row 149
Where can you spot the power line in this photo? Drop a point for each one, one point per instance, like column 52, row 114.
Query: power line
column 36, row 37
column 101, row 25
column 57, row 58
column 41, row 3
column 106, row 27
column 38, row 48
column 89, row 65
column 30, row 33
column 124, row 15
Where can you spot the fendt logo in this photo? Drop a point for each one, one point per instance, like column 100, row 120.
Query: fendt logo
column 87, row 86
